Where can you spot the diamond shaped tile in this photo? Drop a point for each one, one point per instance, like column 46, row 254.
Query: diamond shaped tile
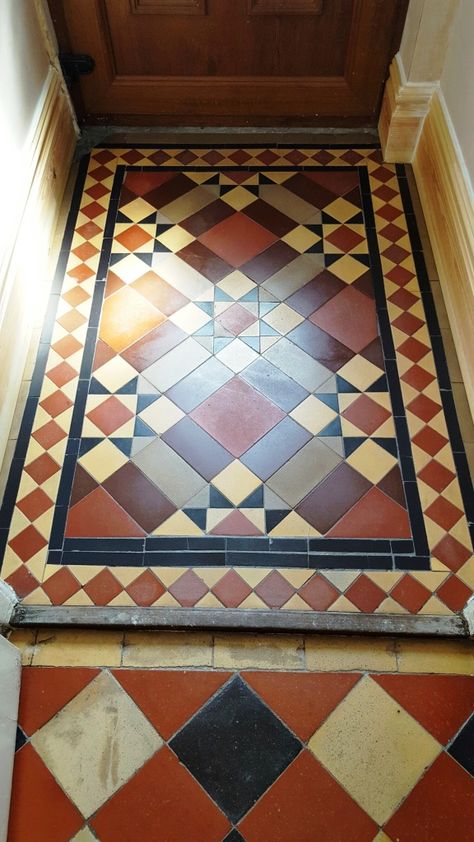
column 237, row 239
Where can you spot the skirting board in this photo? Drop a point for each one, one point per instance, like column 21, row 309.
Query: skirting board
column 187, row 619
column 448, row 206
column 405, row 106
column 48, row 162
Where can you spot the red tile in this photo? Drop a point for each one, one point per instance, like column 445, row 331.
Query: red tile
column 350, row 317
column 392, row 232
column 303, row 701
column 162, row 801
column 39, row 808
column 319, row 593
column 45, row 691
column 99, row 516
column 429, row 440
column 396, row 254
column 236, row 524
column 404, row 299
column 61, row 374
column 169, row 698
column 401, row 276
column 103, row 588
column 236, row 319
column 366, row 414
column 365, row 594
column 441, row 703
column 75, row 296
column 374, row 516
column 344, row 238
column 274, row 590
column 237, row 416
column 204, row 261
column 411, row 594
column 35, row 504
column 443, row 513
column 145, row 589
column 67, row 346
column 86, row 250
column 413, row 349
column 133, row 237
column 93, row 210
column 307, row 804
column 408, row 323
column 49, row 434
column 418, row 377
column 188, row 589
column 81, row 273
column 103, row 353
column 237, row 239
column 436, row 475
column 231, row 590
column 451, row 553
column 27, row 543
column 82, row 485
column 56, row 403
column 110, row 415
column 424, row 408
column 60, row 586
column 454, row 593
column 89, row 230
column 440, row 807
column 22, row 581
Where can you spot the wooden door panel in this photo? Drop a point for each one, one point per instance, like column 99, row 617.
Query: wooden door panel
column 234, row 61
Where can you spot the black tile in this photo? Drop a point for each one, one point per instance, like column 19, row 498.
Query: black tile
column 412, row 562
column 185, row 559
column 111, row 559
column 266, row 559
column 234, row 836
column 462, row 749
column 348, row 545
column 101, row 545
column 236, row 748
column 350, row 562
column 20, row 738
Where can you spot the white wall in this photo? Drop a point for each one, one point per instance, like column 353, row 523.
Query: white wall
column 457, row 81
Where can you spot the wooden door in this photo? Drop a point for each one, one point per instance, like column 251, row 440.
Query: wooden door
column 232, row 62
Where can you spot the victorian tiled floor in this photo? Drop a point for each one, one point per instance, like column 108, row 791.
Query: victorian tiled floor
column 241, row 398
column 252, row 739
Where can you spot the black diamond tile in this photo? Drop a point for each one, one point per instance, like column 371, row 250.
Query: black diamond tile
column 234, row 836
column 236, row 748
column 462, row 748
column 20, row 739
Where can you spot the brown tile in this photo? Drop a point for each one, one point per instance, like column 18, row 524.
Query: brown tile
column 200, row 222
column 275, row 590
column 154, row 345
column 271, row 261
column 269, row 217
column 139, row 497
column 205, row 261
column 231, row 590
column 237, row 239
column 188, row 589
column 145, row 589
column 312, row 296
column 197, row 448
column 334, row 496
column 319, row 593
column 321, row 346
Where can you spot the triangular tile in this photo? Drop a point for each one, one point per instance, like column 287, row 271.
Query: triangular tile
column 235, row 524
column 302, row 701
column 170, row 698
column 44, row 692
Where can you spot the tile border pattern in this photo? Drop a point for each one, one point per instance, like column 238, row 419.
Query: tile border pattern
column 412, row 587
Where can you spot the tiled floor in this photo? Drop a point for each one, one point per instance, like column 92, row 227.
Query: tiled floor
column 246, row 401
column 355, row 740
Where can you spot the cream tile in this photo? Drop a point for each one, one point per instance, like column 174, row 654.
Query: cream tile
column 276, row 652
column 24, row 640
column 161, row 415
column 178, row 524
column 436, row 656
column 138, row 209
column 237, row 355
column 348, row 269
column 341, row 209
column 190, row 318
column 351, row 653
column 374, row 748
column 96, row 743
column 372, row 461
column 313, row 414
column 176, row 238
column 239, row 198
column 167, row 649
column 236, row 285
column 236, row 482
column 283, row 318
column 84, row 835
column 184, row 278
column 360, row 372
column 103, row 460
column 301, row 238
column 115, row 373
column 85, row 648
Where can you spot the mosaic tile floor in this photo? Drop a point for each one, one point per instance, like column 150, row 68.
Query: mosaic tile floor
column 214, row 756
column 241, row 397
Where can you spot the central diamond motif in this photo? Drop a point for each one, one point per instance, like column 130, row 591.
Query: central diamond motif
column 237, row 416
column 236, row 748
column 237, row 239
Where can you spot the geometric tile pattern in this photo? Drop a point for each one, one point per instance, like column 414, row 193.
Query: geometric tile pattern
column 202, row 286
column 219, row 756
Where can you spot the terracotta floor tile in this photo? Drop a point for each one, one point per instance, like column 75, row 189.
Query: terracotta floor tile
column 45, row 690
column 237, row 239
column 306, row 801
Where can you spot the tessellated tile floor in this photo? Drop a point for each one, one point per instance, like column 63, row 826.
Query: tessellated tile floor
column 241, row 398
column 220, row 756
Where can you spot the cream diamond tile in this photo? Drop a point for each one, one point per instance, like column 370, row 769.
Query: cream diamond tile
column 239, row 198
column 237, row 355
column 348, row 269
column 103, row 460
column 341, row 210
column 313, row 414
column 360, row 372
column 161, row 415
column 283, row 318
column 301, row 238
column 190, row 318
column 176, row 238
column 236, row 482
column 374, row 748
column 236, row 285
column 130, row 268
column 96, row 743
column 184, row 278
column 372, row 461
column 84, row 835
column 115, row 373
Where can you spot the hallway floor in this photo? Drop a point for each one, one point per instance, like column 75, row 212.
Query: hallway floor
column 241, row 398
column 183, row 736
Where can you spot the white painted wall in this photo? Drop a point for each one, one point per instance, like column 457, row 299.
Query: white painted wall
column 10, row 672
column 457, row 81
